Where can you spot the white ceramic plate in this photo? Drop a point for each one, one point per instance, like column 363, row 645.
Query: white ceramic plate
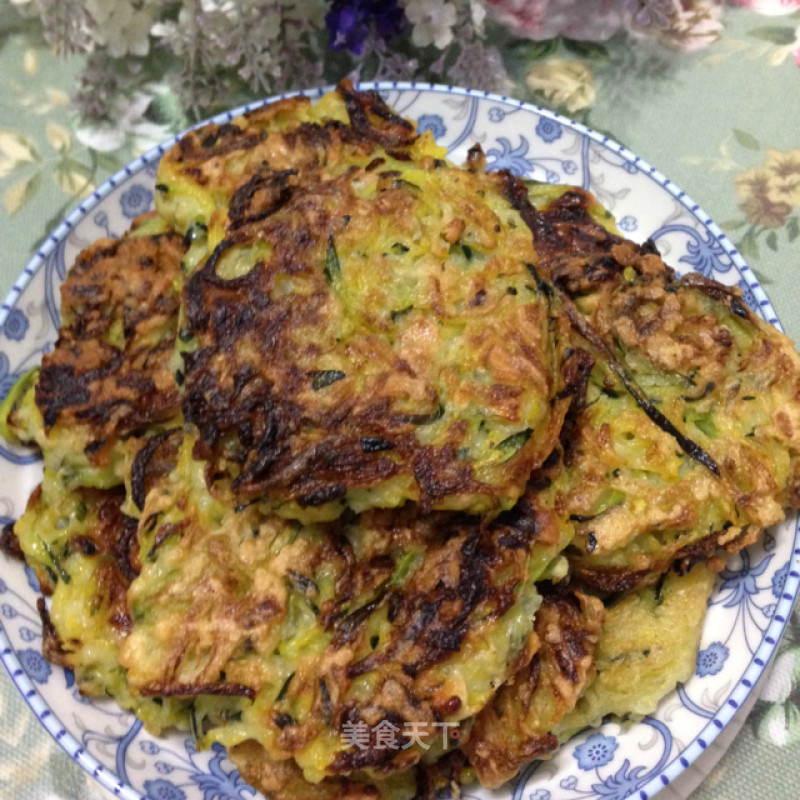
column 747, row 611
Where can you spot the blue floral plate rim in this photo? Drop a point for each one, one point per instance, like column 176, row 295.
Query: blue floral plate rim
column 771, row 635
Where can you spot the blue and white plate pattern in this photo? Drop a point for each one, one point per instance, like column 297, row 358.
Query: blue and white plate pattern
column 747, row 611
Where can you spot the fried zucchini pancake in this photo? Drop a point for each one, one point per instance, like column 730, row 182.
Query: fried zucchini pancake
column 85, row 553
column 337, row 455
column 369, row 329
column 727, row 382
column 648, row 644
column 108, row 377
column 396, row 617
column 663, row 472
column 591, row 662
column 639, row 503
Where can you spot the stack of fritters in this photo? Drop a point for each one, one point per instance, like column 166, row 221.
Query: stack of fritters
column 347, row 448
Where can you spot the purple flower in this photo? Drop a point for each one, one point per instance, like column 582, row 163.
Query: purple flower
column 8, row 611
column 32, row 662
column 16, row 325
column 390, row 19
column 569, row 167
column 3, row 586
column 548, row 130
column 710, row 660
column 349, row 22
column 628, row 223
column 160, row 789
column 596, row 751
column 149, row 748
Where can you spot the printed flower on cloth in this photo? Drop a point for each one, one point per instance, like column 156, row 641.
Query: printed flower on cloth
column 771, row 192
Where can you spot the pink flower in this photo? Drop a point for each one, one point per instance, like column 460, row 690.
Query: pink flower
column 770, row 8
column 545, row 19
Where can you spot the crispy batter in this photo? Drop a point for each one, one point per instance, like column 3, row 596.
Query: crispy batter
column 364, row 336
column 725, row 380
column 304, row 619
column 687, row 445
column 515, row 727
column 109, row 372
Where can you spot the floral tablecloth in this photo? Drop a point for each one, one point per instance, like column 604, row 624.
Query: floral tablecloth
column 722, row 122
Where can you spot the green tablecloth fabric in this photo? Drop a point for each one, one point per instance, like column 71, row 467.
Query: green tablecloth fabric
column 719, row 122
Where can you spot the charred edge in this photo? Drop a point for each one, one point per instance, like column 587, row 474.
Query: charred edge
column 123, row 547
column 52, row 646
column 322, row 496
column 59, row 387
column 726, row 294
column 697, row 553
column 139, row 467
column 516, row 193
column 399, row 132
column 370, row 755
column 274, row 181
column 692, row 449
column 194, row 689
column 217, row 141
column 9, row 543
column 163, row 534
column 326, row 704
column 519, row 524
column 612, row 580
column 571, row 647
column 577, row 369
column 445, row 773
column 347, row 628
column 194, row 289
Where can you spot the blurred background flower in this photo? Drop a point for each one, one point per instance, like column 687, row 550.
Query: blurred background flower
column 563, row 82
column 156, row 65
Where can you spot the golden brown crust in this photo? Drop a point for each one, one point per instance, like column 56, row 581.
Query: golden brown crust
column 515, row 727
column 360, row 319
column 109, row 373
